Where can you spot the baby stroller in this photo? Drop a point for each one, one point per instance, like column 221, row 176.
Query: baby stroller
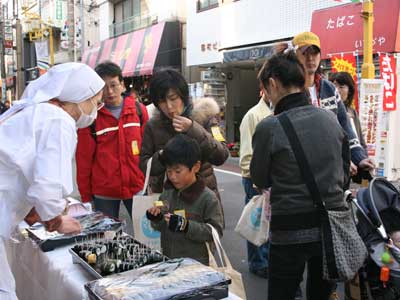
column 377, row 211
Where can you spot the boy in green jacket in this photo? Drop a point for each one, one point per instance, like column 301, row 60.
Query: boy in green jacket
column 187, row 204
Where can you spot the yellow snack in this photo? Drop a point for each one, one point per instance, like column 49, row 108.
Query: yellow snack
column 158, row 203
column 91, row 259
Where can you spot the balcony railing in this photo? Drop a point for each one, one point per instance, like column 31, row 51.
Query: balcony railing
column 132, row 24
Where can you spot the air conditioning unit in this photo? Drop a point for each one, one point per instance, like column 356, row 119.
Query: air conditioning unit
column 212, row 75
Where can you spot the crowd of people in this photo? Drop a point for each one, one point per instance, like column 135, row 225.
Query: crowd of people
column 74, row 106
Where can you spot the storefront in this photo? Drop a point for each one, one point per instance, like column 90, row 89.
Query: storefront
column 140, row 53
column 242, row 65
column 379, row 114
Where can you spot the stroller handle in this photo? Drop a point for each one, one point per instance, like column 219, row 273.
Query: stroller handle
column 348, row 196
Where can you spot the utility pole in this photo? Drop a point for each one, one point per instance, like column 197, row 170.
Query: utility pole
column 20, row 76
column 3, row 64
column 71, row 30
column 368, row 68
column 82, row 12
column 51, row 44
column 20, row 72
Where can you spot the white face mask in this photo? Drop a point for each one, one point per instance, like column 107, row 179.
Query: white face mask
column 86, row 120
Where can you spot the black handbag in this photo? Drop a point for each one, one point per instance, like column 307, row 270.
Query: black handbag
column 343, row 250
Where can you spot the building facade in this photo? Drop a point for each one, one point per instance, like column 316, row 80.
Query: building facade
column 141, row 36
column 235, row 37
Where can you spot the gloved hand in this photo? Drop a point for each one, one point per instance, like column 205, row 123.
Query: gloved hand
column 154, row 214
column 178, row 223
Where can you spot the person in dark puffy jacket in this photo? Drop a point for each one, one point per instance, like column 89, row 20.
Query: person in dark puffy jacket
column 170, row 94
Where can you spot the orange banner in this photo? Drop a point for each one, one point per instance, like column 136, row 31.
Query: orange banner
column 347, row 63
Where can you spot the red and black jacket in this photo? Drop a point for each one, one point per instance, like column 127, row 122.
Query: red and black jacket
column 108, row 164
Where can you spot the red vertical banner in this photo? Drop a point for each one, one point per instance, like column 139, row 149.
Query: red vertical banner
column 388, row 74
column 347, row 63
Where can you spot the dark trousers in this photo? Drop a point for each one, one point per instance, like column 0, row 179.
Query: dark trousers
column 257, row 256
column 286, row 268
column 111, row 207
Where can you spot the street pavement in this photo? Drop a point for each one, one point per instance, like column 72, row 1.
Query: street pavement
column 232, row 194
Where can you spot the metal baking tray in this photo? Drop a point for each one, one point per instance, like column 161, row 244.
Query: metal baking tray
column 76, row 259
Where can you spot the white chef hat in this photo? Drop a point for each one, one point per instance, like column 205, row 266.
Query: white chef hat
column 68, row 82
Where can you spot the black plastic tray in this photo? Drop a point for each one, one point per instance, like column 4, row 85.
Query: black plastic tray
column 215, row 292
column 63, row 240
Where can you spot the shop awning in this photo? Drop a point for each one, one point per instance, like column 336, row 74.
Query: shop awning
column 134, row 52
column 248, row 53
column 340, row 28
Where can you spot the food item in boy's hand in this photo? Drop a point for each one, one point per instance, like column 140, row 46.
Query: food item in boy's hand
column 158, row 203
column 162, row 205
column 177, row 223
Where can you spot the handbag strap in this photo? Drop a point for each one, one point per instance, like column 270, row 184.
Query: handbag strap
column 309, row 179
column 302, row 161
column 147, row 176
column 223, row 257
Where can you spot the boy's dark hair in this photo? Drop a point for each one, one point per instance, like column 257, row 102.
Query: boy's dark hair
column 285, row 67
column 181, row 149
column 344, row 78
column 163, row 81
column 109, row 69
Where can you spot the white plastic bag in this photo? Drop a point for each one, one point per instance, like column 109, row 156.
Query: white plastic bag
column 253, row 224
column 142, row 230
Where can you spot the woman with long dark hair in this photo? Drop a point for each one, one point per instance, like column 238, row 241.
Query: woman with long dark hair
column 346, row 87
column 295, row 221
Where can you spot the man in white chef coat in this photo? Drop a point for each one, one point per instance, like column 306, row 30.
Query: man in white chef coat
column 37, row 143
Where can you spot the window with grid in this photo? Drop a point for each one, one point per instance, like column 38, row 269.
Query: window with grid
column 203, row 5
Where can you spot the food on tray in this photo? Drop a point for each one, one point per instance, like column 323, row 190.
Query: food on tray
column 173, row 279
column 93, row 225
column 122, row 253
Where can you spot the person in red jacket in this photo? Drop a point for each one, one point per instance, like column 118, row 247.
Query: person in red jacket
column 107, row 154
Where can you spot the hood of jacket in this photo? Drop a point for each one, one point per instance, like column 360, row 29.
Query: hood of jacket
column 204, row 109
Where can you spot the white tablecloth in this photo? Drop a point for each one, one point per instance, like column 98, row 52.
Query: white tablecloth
column 49, row 275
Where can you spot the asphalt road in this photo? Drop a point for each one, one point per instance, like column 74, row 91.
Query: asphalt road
column 232, row 194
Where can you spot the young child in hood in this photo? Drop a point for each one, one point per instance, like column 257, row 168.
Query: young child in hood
column 187, row 204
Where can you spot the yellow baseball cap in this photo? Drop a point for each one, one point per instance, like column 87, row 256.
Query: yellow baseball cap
column 306, row 39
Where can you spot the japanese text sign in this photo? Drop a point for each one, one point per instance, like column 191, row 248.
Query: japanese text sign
column 371, row 98
column 388, row 74
column 344, row 23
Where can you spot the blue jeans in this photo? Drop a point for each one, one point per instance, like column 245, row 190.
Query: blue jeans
column 257, row 256
column 111, row 207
